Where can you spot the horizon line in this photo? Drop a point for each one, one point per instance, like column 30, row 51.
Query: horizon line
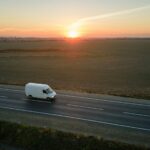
column 115, row 37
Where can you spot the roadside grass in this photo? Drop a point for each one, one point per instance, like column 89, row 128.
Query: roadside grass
column 115, row 67
column 37, row 138
column 77, row 127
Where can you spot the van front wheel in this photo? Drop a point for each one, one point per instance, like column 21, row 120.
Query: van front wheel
column 49, row 99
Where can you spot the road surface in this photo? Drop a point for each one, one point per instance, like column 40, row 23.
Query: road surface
column 115, row 112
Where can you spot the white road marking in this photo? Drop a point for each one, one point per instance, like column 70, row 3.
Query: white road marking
column 90, row 98
column 77, row 118
column 85, row 107
column 143, row 115
column 11, row 90
column 3, row 96
column 8, row 100
column 111, row 101
column 22, row 100
column 40, row 101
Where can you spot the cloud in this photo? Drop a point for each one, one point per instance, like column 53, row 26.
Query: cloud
column 103, row 16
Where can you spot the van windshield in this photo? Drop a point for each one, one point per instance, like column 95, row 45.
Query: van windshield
column 48, row 91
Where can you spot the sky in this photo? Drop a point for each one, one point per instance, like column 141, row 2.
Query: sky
column 75, row 18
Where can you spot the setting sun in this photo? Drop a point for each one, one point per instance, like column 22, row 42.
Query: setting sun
column 73, row 34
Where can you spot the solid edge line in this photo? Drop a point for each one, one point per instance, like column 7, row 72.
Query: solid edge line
column 77, row 118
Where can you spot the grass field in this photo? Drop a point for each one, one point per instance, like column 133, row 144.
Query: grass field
column 110, row 66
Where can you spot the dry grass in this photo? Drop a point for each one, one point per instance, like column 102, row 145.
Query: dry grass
column 118, row 67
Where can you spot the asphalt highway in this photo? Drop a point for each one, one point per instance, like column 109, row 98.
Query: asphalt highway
column 124, row 113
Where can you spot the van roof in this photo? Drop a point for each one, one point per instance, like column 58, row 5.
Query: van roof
column 45, row 86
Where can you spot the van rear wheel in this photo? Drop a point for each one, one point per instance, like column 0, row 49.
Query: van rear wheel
column 30, row 97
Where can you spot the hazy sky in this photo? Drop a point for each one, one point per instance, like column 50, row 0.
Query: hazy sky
column 54, row 18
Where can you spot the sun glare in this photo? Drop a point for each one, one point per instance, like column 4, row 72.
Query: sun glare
column 73, row 34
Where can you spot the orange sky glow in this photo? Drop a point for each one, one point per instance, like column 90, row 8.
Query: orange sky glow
column 75, row 19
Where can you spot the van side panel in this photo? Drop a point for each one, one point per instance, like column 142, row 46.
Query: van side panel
column 36, row 90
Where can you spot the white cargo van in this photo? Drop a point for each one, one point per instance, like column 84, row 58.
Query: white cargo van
column 41, row 91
